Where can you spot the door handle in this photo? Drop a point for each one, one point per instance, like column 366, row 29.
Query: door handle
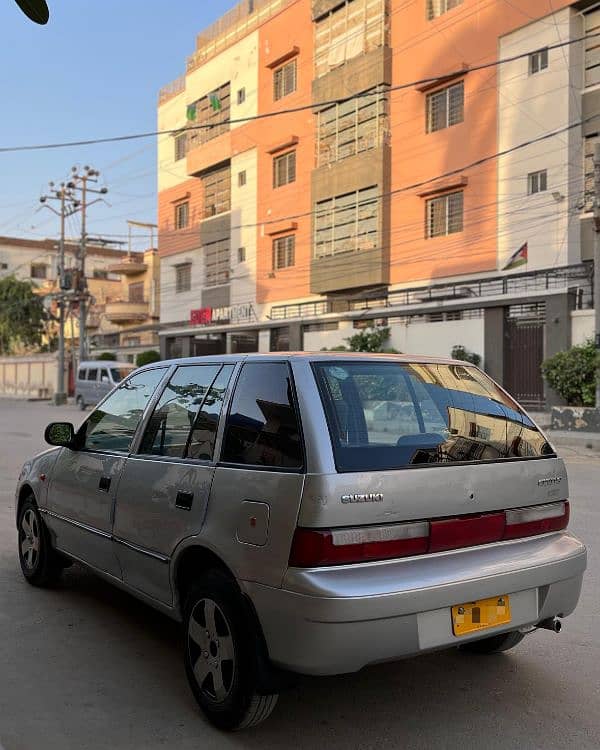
column 184, row 500
column 104, row 484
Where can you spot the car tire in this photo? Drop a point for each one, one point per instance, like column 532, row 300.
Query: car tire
column 80, row 403
column 41, row 565
column 220, row 655
column 495, row 644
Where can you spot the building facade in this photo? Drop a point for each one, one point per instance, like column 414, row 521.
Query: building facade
column 335, row 164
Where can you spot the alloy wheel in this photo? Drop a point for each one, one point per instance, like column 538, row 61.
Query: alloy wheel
column 211, row 650
column 30, row 539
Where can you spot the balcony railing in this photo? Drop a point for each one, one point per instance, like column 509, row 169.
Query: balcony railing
column 171, row 89
column 126, row 311
column 132, row 265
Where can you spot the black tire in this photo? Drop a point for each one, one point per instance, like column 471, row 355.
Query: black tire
column 40, row 564
column 495, row 644
column 80, row 403
column 220, row 655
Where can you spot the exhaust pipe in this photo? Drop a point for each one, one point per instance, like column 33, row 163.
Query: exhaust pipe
column 552, row 623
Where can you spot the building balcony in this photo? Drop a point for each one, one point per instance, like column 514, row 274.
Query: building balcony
column 129, row 266
column 125, row 311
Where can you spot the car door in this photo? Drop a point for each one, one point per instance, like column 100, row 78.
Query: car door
column 84, row 481
column 258, row 482
column 104, row 385
column 165, row 486
column 91, row 381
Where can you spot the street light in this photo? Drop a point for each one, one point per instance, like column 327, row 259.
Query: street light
column 36, row 10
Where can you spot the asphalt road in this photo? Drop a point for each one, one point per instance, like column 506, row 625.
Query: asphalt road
column 86, row 666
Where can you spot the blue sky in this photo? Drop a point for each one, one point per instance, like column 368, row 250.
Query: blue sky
column 93, row 71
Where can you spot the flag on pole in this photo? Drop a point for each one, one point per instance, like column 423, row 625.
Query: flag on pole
column 518, row 258
column 215, row 102
column 191, row 112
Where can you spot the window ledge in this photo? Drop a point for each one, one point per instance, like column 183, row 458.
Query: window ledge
column 442, row 81
column 283, row 58
column 280, row 227
column 291, row 140
column 444, row 186
column 181, row 198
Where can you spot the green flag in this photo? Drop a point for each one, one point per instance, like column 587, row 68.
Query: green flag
column 215, row 102
column 191, row 112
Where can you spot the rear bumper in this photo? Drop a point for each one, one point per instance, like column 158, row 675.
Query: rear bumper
column 339, row 619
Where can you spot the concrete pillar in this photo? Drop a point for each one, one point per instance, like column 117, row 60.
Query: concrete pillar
column 296, row 343
column 557, row 335
column 493, row 342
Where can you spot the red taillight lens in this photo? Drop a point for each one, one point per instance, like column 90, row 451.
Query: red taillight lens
column 466, row 531
column 314, row 547
column 536, row 519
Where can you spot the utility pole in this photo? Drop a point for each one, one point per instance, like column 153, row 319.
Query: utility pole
column 80, row 182
column 63, row 194
column 597, row 264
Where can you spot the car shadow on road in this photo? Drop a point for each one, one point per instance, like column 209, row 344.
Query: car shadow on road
column 415, row 702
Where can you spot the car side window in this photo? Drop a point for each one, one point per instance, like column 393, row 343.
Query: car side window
column 104, row 376
column 201, row 444
column 81, row 374
column 171, row 423
column 112, row 426
column 262, row 426
column 92, row 374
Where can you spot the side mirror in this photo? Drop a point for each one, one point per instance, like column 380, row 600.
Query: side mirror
column 60, row 433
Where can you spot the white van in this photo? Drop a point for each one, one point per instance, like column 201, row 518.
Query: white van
column 96, row 378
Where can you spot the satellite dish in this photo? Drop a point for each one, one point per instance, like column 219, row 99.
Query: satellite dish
column 36, row 10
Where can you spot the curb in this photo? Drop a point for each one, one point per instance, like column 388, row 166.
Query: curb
column 575, row 441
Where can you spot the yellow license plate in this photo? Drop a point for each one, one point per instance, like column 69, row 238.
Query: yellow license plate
column 485, row 613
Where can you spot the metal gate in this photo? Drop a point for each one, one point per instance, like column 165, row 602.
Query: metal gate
column 524, row 352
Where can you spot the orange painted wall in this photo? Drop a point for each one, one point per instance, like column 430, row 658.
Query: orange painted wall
column 468, row 35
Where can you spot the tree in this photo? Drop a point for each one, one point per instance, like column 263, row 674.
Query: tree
column 461, row 352
column 22, row 315
column 369, row 340
column 107, row 357
column 572, row 374
column 147, row 358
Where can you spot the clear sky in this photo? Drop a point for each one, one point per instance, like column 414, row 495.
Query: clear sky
column 93, row 71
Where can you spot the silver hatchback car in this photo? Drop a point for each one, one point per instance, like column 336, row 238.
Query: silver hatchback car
column 309, row 513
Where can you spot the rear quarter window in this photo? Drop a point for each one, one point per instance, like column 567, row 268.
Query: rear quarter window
column 394, row 415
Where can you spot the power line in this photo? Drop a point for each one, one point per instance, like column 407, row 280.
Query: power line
column 291, row 110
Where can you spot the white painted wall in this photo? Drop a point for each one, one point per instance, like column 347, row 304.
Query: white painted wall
column 530, row 106
column 176, row 307
column 438, row 338
column 243, row 213
column 314, row 341
column 582, row 326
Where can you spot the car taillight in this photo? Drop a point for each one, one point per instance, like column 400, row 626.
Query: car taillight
column 536, row 519
column 466, row 531
column 316, row 547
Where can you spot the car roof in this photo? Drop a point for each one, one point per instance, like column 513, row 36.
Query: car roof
column 105, row 363
column 312, row 357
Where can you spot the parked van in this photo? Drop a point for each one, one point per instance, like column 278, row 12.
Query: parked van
column 309, row 513
column 96, row 378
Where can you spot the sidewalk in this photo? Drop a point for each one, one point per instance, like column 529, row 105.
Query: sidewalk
column 575, row 440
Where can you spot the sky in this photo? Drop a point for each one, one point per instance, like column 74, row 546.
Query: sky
column 94, row 71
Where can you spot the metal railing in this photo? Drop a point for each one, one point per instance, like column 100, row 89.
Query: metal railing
column 171, row 89
column 574, row 277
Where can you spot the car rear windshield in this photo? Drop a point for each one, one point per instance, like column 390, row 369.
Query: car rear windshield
column 394, row 415
column 118, row 373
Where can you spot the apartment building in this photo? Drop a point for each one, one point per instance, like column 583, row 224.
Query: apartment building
column 335, row 164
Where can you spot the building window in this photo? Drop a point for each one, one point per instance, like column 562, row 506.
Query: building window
column 437, row 8
column 537, row 182
column 284, row 80
column 241, row 96
column 241, row 254
column 217, row 260
column 182, row 214
column 445, row 107
column 538, row 61
column 217, row 191
column 284, row 169
column 353, row 28
column 284, row 252
column 347, row 223
column 136, row 292
column 212, row 112
column 133, row 341
column 280, row 339
column 444, row 215
column 349, row 128
column 99, row 273
column 589, row 146
column 242, row 178
column 39, row 271
column 180, row 142
column 183, row 278
column 3, row 266
column 592, row 48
